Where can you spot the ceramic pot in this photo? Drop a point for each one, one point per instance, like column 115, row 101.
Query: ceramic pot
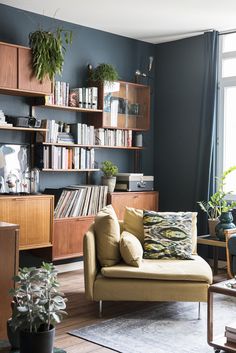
column 13, row 336
column 110, row 182
column 37, row 342
column 212, row 226
column 226, row 222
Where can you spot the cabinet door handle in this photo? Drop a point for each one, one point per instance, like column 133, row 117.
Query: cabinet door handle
column 21, row 199
column 135, row 197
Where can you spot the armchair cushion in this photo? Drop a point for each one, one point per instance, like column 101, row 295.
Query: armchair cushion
column 131, row 249
column 168, row 270
column 167, row 235
column 107, row 235
column 133, row 222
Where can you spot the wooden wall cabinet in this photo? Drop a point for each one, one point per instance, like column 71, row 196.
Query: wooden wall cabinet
column 34, row 214
column 9, row 262
column 8, row 66
column 125, row 105
column 16, row 72
column 145, row 200
column 68, row 236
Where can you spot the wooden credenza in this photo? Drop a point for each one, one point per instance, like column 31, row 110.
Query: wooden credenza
column 68, row 236
column 9, row 262
column 145, row 200
column 34, row 214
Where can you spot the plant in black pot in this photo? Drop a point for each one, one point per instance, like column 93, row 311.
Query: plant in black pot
column 109, row 178
column 37, row 306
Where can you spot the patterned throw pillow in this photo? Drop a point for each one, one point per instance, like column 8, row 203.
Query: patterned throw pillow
column 167, row 235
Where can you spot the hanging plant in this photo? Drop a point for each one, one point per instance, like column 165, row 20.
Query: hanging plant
column 104, row 72
column 48, row 51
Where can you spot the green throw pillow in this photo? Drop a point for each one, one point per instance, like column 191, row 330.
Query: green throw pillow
column 167, row 235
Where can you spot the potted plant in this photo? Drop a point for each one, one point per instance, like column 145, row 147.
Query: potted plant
column 218, row 205
column 103, row 73
column 109, row 178
column 48, row 51
column 37, row 306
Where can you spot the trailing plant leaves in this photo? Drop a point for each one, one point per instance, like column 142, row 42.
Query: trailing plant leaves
column 48, row 52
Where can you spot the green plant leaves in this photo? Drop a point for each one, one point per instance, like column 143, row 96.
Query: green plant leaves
column 48, row 52
column 104, row 72
column 37, row 302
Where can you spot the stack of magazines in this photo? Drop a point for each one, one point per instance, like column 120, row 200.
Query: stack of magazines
column 81, row 200
column 230, row 333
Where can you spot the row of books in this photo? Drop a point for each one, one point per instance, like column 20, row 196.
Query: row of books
column 55, row 157
column 83, row 134
column 81, row 200
column 84, row 97
column 230, row 333
column 107, row 137
column 60, row 94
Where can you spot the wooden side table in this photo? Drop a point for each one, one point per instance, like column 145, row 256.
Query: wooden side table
column 216, row 244
column 219, row 342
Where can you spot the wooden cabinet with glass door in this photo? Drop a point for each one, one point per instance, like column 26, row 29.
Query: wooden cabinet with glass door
column 125, row 105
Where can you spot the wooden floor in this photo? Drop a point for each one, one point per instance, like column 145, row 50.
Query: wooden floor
column 83, row 313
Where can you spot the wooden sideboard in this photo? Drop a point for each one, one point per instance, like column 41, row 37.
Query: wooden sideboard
column 144, row 200
column 9, row 261
column 34, row 214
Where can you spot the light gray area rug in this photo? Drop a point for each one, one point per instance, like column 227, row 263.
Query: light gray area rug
column 162, row 328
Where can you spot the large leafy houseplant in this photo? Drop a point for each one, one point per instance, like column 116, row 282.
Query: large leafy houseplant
column 48, row 50
column 218, row 202
column 37, row 303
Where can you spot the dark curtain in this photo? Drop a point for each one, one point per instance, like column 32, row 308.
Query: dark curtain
column 206, row 171
column 184, row 134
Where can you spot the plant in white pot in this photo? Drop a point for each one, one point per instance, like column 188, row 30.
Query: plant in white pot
column 109, row 178
column 37, row 306
column 218, row 203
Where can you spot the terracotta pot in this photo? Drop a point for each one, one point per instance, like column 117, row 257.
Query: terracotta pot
column 212, row 226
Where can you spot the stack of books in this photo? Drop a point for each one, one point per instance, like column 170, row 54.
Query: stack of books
column 65, row 137
column 81, row 200
column 230, row 333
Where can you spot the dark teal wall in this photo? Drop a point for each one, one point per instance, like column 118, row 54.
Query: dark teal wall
column 89, row 46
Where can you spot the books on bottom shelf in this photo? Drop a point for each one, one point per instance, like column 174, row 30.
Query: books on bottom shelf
column 81, row 200
column 230, row 333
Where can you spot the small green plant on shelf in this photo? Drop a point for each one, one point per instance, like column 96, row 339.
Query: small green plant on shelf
column 48, row 50
column 109, row 169
column 218, row 202
column 103, row 73
column 109, row 175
